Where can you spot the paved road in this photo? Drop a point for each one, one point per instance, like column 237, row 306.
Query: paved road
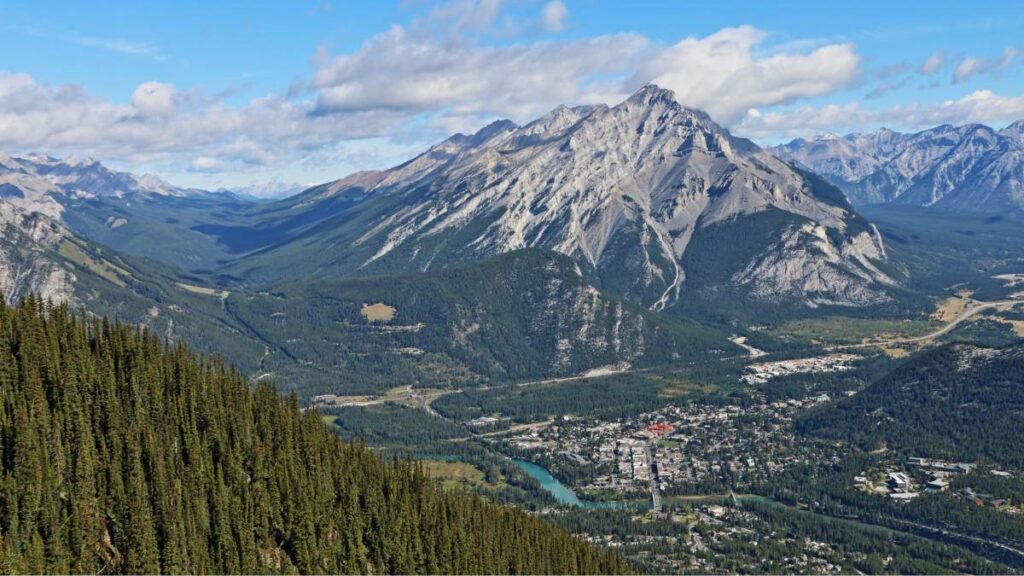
column 966, row 315
column 970, row 312
column 655, row 493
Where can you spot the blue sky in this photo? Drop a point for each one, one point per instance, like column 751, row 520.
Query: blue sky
column 232, row 93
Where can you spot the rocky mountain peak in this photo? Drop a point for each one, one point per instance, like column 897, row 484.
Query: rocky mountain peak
column 968, row 167
column 622, row 189
column 1014, row 131
column 39, row 183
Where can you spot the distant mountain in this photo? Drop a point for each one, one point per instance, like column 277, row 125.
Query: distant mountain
column 39, row 255
column 966, row 168
column 526, row 314
column 960, row 401
column 265, row 191
column 627, row 191
column 41, row 183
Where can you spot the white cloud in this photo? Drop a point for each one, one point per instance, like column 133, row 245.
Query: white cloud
column 725, row 75
column 403, row 71
column 154, row 98
column 553, row 16
column 130, row 47
column 205, row 164
column 971, row 66
column 933, row 63
column 982, row 106
column 162, row 124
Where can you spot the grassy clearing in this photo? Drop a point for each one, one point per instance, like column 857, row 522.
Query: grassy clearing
column 379, row 312
column 102, row 268
column 951, row 308
column 679, row 388
column 453, row 474
column 222, row 294
column 1017, row 325
column 845, row 330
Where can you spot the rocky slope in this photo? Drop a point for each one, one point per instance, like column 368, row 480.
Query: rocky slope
column 970, row 168
column 40, row 183
column 28, row 245
column 624, row 190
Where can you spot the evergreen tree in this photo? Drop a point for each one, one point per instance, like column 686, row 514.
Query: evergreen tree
column 119, row 453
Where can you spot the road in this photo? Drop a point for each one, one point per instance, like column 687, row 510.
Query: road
column 966, row 315
column 655, row 493
column 531, row 427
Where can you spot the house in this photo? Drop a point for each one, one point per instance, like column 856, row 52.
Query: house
column 937, row 485
column 903, row 495
column 899, row 481
column 483, row 421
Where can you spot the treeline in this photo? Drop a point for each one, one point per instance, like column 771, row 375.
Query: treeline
column 119, row 453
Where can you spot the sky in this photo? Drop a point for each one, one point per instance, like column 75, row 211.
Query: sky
column 233, row 94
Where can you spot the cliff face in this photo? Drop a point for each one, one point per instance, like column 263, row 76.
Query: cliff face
column 623, row 190
column 28, row 262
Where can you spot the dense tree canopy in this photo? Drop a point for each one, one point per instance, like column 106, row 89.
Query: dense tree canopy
column 119, row 453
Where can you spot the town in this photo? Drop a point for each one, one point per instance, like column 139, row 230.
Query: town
column 675, row 450
column 763, row 372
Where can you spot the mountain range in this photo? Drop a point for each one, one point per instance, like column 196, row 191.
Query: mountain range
column 969, row 168
column 594, row 234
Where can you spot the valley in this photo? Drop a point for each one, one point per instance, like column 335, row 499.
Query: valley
column 624, row 320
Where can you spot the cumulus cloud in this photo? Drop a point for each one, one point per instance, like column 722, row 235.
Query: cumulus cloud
column 205, row 164
column 403, row 71
column 725, row 75
column 161, row 123
column 154, row 98
column 553, row 16
column 971, row 66
column 886, row 87
column 933, row 63
column 982, row 106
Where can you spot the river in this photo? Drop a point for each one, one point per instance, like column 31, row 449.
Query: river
column 562, row 493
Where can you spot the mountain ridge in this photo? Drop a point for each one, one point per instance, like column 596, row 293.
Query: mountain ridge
column 970, row 167
column 620, row 189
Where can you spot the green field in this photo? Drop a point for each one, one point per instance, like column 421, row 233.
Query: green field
column 833, row 330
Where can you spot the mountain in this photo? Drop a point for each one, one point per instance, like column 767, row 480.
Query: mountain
column 960, row 402
column 39, row 255
column 626, row 191
column 40, row 183
column 962, row 168
column 521, row 315
column 526, row 314
column 265, row 191
column 122, row 454
column 27, row 244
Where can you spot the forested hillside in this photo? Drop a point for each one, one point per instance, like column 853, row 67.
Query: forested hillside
column 121, row 454
column 959, row 401
column 526, row 314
